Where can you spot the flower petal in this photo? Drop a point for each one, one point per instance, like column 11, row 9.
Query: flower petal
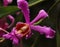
column 7, row 36
column 12, row 36
column 5, row 25
column 42, row 14
column 15, row 41
column 6, row 2
column 1, row 33
column 11, row 19
column 23, row 5
column 49, row 33
column 2, row 22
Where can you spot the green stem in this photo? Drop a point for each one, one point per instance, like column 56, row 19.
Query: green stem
column 53, row 6
column 35, row 2
column 38, row 21
column 21, row 43
column 4, row 30
column 33, row 45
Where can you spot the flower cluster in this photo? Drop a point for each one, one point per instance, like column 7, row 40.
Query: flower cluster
column 4, row 25
column 24, row 29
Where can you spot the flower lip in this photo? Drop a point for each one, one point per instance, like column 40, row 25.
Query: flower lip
column 22, row 29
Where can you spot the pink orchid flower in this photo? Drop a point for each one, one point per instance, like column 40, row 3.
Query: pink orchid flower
column 24, row 29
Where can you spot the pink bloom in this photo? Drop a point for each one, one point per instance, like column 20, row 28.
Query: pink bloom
column 23, row 5
column 24, row 29
column 6, row 2
column 4, row 25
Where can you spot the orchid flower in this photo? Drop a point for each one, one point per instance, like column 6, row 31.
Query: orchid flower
column 4, row 25
column 6, row 2
column 24, row 29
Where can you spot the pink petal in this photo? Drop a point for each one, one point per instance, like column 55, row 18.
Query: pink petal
column 13, row 33
column 6, row 2
column 1, row 33
column 11, row 19
column 7, row 36
column 5, row 26
column 12, row 36
column 2, row 22
column 15, row 40
column 9, row 1
column 23, row 5
column 41, row 15
column 49, row 33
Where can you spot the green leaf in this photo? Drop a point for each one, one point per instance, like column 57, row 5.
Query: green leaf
column 7, row 10
column 11, row 9
column 33, row 2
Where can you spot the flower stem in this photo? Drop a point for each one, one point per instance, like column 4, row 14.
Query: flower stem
column 38, row 21
column 21, row 43
column 53, row 5
column 4, row 30
column 33, row 45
